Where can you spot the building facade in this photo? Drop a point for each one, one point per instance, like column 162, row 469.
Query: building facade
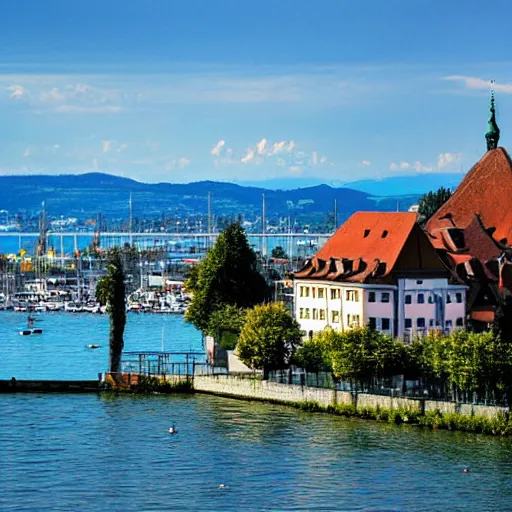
column 378, row 269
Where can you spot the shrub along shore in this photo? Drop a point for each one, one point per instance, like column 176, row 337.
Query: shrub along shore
column 500, row 425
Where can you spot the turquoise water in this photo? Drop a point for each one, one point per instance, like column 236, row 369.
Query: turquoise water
column 61, row 351
column 104, row 452
column 98, row 453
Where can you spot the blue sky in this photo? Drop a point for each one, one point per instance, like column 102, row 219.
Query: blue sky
column 165, row 90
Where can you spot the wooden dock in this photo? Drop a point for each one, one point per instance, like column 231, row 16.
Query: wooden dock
column 50, row 386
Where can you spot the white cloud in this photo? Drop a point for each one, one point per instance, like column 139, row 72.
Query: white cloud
column 314, row 158
column 17, row 91
column 183, row 162
column 444, row 161
column 122, row 147
column 106, row 145
column 323, row 160
column 295, row 169
column 248, row 157
column 290, row 147
column 278, row 147
column 27, row 152
column 260, row 146
column 472, row 82
column 448, row 159
column 216, row 150
column 366, row 163
column 95, row 163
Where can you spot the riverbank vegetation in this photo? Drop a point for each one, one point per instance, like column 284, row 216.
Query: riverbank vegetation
column 501, row 425
column 462, row 366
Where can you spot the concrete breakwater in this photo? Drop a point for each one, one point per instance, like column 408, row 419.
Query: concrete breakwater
column 256, row 389
column 50, row 386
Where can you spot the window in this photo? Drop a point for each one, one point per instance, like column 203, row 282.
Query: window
column 371, row 296
column 448, row 298
column 322, row 314
column 458, row 297
column 459, row 322
column 301, row 313
column 430, row 299
column 408, row 323
column 431, row 322
column 313, row 292
column 420, row 323
column 352, row 295
column 315, row 314
column 304, row 291
column 408, row 299
column 335, row 293
column 419, row 281
column 306, row 313
column 384, row 233
column 335, row 317
column 372, row 323
column 366, row 233
column 386, row 324
column 421, row 298
column 353, row 320
column 384, row 297
column 320, row 293
column 449, row 323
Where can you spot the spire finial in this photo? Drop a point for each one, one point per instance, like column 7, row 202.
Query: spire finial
column 493, row 133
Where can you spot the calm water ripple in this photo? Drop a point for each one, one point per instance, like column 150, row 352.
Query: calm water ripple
column 88, row 452
column 99, row 453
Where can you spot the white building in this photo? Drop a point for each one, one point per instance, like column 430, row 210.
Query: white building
column 378, row 269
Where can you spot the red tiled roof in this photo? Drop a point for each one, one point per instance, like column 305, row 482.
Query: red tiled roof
column 486, row 315
column 486, row 190
column 350, row 241
column 369, row 245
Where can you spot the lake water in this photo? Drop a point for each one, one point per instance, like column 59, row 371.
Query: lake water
column 97, row 453
column 104, row 452
column 61, row 351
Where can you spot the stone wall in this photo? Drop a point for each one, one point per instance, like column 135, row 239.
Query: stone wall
column 256, row 389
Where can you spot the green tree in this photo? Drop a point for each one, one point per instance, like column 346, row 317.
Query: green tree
column 227, row 275
column 269, row 338
column 432, row 201
column 110, row 291
column 362, row 355
column 312, row 356
column 226, row 324
column 279, row 253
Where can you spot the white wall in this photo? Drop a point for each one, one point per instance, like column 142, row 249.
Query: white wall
column 351, row 312
column 426, row 304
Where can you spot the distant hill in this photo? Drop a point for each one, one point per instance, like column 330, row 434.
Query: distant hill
column 402, row 185
column 416, row 184
column 85, row 195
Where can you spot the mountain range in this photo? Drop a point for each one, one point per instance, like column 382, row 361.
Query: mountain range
column 86, row 195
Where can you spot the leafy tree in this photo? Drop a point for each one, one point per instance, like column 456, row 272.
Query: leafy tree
column 362, row 354
column 312, row 356
column 279, row 253
column 110, row 291
column 432, row 201
column 269, row 338
column 227, row 275
column 225, row 325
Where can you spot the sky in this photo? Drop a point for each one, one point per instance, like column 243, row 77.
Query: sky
column 239, row 90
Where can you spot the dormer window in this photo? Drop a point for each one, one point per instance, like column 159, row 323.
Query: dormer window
column 366, row 233
column 385, row 233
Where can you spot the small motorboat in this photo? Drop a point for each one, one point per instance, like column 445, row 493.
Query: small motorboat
column 28, row 332
column 93, row 346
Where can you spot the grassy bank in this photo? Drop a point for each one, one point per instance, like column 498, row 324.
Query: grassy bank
column 434, row 420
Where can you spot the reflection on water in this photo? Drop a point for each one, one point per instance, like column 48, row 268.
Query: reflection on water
column 75, row 452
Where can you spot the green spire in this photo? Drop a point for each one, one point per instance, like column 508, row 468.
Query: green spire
column 493, row 134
